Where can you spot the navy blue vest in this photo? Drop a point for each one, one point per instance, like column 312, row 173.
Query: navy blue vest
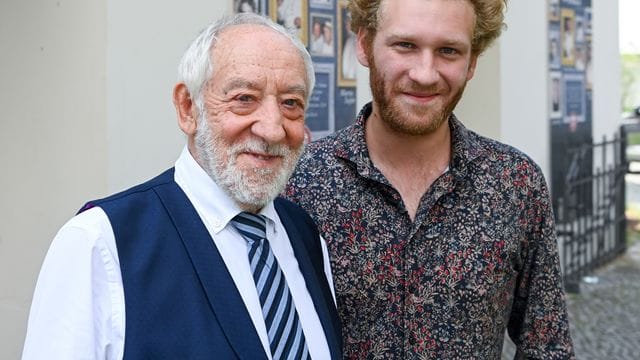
column 180, row 300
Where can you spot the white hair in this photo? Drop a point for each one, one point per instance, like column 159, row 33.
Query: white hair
column 197, row 64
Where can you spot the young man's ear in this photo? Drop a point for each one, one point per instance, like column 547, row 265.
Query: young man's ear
column 185, row 109
column 362, row 47
column 472, row 66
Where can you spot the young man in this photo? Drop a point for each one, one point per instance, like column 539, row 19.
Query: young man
column 201, row 262
column 440, row 239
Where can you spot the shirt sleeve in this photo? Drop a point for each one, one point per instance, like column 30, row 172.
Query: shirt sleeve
column 77, row 310
column 539, row 325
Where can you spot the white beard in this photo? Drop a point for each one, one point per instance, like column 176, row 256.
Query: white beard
column 247, row 187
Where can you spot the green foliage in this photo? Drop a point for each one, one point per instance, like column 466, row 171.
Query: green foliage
column 633, row 138
column 630, row 78
column 632, row 214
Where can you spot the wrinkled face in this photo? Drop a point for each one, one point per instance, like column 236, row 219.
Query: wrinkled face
column 250, row 134
column 420, row 61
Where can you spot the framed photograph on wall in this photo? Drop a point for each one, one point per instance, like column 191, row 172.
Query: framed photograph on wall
column 574, row 98
column 321, row 39
column 588, row 71
column 555, row 95
column 347, row 61
column 580, row 29
column 320, row 116
column 581, row 57
column 554, row 47
column 554, row 10
column 254, row 6
column 321, row 4
column 587, row 21
column 292, row 14
column 568, row 36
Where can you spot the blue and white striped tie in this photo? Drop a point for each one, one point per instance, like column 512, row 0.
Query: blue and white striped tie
column 286, row 337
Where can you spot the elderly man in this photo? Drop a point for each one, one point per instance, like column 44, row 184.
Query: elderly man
column 201, row 262
column 440, row 238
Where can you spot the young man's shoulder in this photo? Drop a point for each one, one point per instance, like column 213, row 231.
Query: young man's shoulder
column 500, row 151
column 508, row 160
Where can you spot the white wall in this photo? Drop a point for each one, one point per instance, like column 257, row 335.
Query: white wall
column 52, row 138
column 606, row 69
column 523, row 78
column 479, row 108
column 507, row 98
column 146, row 40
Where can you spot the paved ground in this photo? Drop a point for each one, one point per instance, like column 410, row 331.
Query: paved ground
column 605, row 316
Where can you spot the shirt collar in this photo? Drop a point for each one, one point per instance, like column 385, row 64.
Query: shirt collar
column 212, row 203
column 350, row 144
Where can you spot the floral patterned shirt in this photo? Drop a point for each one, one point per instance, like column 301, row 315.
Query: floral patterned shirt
column 480, row 257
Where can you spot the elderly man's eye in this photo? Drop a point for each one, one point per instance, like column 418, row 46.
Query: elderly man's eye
column 292, row 103
column 245, row 98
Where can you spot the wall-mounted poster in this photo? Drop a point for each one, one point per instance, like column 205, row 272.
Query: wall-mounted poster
column 580, row 33
column 587, row 21
column 321, row 4
column 254, row 6
column 555, row 98
column 588, row 71
column 347, row 61
column 570, row 94
column 580, row 63
column 554, row 47
column 574, row 98
column 568, row 33
column 321, row 40
column 292, row 14
column 554, row 10
column 320, row 114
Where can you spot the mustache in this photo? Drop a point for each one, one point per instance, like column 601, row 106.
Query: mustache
column 260, row 146
column 417, row 88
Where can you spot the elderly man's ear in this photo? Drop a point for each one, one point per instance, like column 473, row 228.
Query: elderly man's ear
column 185, row 109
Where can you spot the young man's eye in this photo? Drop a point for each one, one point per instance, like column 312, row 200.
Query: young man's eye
column 405, row 45
column 448, row 51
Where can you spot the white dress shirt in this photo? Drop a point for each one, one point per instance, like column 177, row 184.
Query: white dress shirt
column 78, row 309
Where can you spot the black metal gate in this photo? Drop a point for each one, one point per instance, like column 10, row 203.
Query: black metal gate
column 590, row 213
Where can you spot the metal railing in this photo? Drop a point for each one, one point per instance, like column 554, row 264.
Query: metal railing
column 591, row 223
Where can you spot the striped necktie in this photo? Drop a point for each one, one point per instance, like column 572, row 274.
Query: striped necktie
column 286, row 338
